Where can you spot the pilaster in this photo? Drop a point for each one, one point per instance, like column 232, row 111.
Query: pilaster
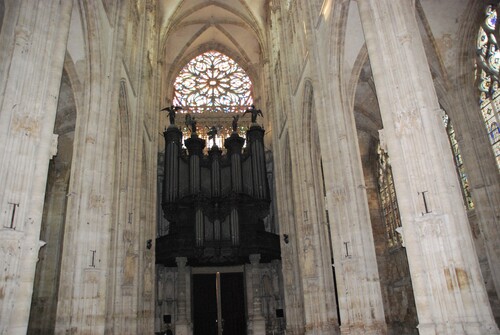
column 182, row 324
column 257, row 323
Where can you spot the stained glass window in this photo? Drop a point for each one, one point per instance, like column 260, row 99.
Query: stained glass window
column 389, row 203
column 462, row 176
column 213, row 87
column 487, row 77
column 213, row 82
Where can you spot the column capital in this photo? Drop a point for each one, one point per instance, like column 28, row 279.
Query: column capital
column 254, row 259
column 181, row 261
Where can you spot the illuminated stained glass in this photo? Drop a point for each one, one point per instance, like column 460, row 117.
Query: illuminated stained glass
column 482, row 42
column 213, row 82
column 462, row 176
column 388, row 200
column 491, row 18
column 494, row 60
column 487, row 76
column 485, row 82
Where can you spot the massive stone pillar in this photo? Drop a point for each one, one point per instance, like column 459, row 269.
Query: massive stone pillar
column 358, row 283
column 449, row 292
column 90, row 245
column 27, row 114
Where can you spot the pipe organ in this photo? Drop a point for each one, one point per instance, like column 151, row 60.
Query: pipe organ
column 215, row 203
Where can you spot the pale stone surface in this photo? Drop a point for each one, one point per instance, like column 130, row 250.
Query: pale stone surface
column 26, row 121
column 311, row 76
column 441, row 254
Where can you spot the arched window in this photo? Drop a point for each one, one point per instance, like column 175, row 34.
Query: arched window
column 388, row 200
column 457, row 156
column 213, row 87
column 487, row 77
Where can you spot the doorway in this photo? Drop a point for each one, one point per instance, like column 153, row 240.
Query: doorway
column 219, row 296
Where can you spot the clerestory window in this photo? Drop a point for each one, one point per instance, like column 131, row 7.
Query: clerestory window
column 488, row 77
column 388, row 200
column 457, row 156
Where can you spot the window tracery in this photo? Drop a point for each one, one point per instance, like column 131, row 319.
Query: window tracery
column 388, row 200
column 457, row 157
column 488, row 77
column 213, row 82
column 213, row 87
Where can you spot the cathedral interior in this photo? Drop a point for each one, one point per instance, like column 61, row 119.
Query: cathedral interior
column 249, row 167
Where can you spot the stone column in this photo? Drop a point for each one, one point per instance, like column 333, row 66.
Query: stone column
column 257, row 323
column 449, row 293
column 27, row 115
column 90, row 244
column 182, row 324
column 356, row 273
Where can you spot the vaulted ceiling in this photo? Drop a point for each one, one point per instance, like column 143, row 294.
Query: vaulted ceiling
column 189, row 27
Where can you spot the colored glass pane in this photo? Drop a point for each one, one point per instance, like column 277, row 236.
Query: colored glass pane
column 491, row 18
column 462, row 176
column 485, row 82
column 488, row 69
column 213, row 82
column 494, row 60
column 388, row 200
column 212, row 87
column 482, row 41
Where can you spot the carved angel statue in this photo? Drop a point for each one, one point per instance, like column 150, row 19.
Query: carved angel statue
column 172, row 110
column 191, row 122
column 235, row 122
column 255, row 112
column 212, row 132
